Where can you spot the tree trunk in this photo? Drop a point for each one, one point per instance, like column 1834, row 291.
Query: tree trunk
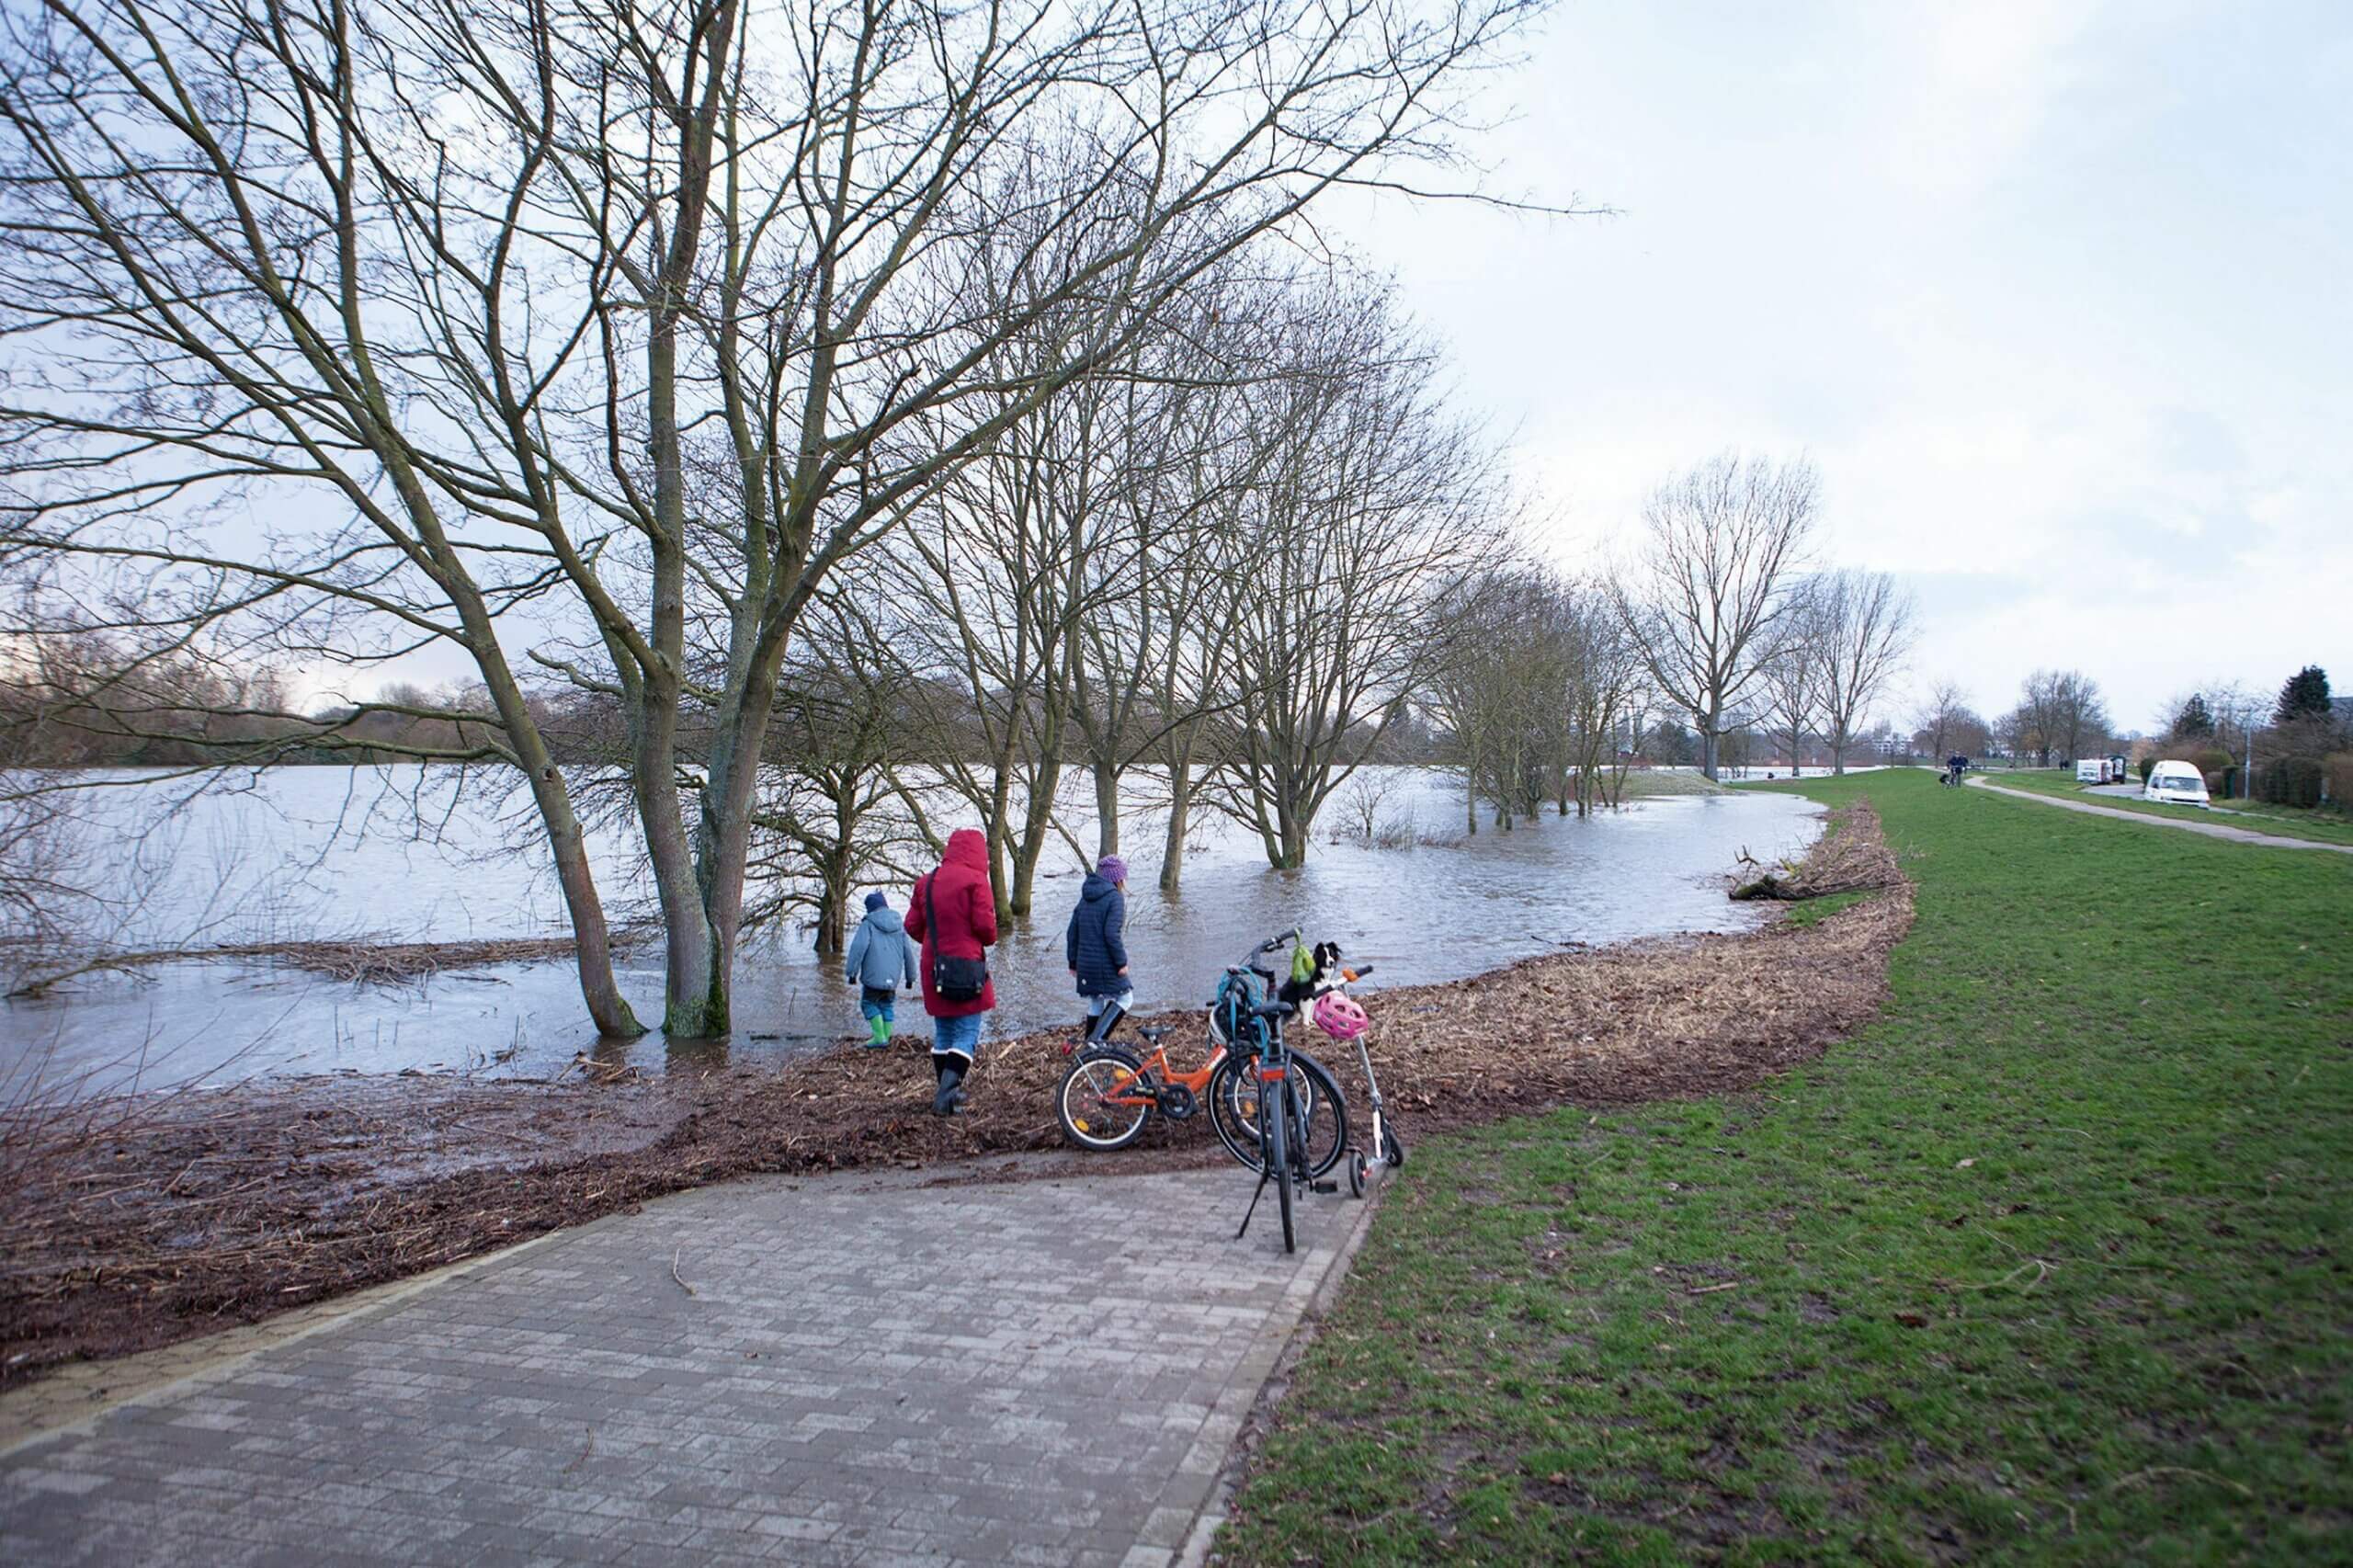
column 1107, row 810
column 1037, row 823
column 833, row 874
column 614, row 1017
column 1294, row 843
column 1180, row 811
column 998, row 831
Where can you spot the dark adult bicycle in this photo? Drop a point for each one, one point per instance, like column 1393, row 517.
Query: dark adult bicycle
column 1253, row 1019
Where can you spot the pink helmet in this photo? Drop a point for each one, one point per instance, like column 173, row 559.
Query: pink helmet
column 1338, row 1015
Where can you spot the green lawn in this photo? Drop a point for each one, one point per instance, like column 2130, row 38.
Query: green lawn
column 1644, row 783
column 2049, row 1265
column 2284, row 822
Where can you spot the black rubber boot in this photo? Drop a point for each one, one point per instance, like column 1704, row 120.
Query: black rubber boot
column 950, row 1097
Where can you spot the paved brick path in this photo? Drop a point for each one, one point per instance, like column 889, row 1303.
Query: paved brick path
column 868, row 1371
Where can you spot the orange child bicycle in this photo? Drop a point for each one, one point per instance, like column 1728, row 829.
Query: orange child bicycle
column 1109, row 1092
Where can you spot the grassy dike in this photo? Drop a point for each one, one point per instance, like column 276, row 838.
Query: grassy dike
column 2050, row 1264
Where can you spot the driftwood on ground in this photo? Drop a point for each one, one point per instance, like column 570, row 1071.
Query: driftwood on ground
column 1852, row 856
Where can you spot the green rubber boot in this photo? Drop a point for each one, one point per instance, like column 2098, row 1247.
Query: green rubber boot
column 880, row 1029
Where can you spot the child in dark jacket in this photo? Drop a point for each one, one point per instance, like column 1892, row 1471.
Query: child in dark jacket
column 1096, row 947
column 881, row 960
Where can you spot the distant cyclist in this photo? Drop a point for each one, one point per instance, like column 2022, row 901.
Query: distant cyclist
column 1955, row 765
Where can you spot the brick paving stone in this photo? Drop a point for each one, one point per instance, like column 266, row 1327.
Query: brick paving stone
column 868, row 1370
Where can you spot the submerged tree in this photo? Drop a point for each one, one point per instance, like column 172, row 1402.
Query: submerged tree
column 590, row 330
column 1373, row 503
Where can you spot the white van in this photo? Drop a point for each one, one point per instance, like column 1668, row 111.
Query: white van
column 2178, row 782
column 2093, row 770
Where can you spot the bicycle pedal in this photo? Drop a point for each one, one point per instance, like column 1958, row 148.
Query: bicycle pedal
column 1323, row 1187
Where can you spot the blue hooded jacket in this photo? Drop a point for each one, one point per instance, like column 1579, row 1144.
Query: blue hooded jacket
column 1096, row 946
column 881, row 958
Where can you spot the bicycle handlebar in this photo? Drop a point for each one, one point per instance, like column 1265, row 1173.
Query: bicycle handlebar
column 1274, row 943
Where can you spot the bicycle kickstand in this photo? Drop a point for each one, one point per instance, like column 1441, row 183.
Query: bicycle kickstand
column 1263, row 1176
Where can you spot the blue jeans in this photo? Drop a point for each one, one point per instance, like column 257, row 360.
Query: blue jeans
column 960, row 1036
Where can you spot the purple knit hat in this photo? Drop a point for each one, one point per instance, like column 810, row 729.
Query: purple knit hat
column 1112, row 869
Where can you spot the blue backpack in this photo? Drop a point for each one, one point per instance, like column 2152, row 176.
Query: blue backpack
column 1231, row 1016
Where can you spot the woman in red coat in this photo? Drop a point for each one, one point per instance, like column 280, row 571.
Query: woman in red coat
column 953, row 915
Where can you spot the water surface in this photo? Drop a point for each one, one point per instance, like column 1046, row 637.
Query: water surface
column 311, row 852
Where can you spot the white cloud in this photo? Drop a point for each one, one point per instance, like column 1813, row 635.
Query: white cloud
column 1976, row 81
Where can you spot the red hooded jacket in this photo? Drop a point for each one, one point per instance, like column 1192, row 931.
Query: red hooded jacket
column 967, row 907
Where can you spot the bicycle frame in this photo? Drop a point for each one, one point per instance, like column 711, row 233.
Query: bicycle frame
column 1152, row 1067
column 1282, row 1129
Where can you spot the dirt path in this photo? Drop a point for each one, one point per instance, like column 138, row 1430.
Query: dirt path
column 2211, row 829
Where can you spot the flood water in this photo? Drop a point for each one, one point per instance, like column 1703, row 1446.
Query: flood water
column 331, row 852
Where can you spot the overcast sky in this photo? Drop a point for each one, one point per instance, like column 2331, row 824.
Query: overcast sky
column 2059, row 296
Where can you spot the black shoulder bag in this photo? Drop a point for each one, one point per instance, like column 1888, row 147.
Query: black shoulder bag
column 952, row 979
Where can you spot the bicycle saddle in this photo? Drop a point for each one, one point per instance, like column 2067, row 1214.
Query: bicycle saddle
column 1152, row 1032
column 1275, row 1009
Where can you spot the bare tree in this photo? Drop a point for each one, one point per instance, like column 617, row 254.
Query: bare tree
column 1373, row 504
column 1709, row 581
column 1792, row 693
column 1180, row 459
column 1606, row 691
column 2058, row 712
column 569, row 326
column 828, row 815
column 1860, row 624
column 1941, row 713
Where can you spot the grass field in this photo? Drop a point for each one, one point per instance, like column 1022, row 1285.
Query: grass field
column 2049, row 1265
column 2285, row 821
column 1643, row 783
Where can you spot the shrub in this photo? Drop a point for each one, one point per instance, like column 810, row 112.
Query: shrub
column 2148, row 765
column 2290, row 781
column 2338, row 769
column 2214, row 764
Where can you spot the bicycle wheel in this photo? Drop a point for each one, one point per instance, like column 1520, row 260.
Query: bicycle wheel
column 1233, row 1105
column 1276, row 1108
column 1324, row 1113
column 1103, row 1102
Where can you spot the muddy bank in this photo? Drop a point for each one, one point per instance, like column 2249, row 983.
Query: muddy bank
column 134, row 1224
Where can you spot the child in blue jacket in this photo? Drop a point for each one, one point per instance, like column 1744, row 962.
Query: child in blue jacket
column 881, row 959
column 1096, row 947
